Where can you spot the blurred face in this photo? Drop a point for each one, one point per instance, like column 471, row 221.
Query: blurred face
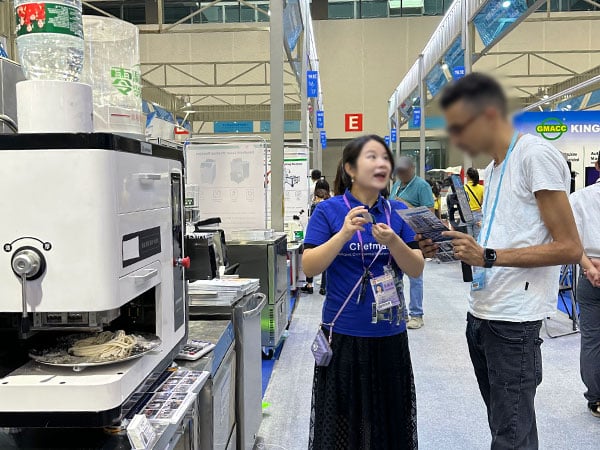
column 405, row 175
column 373, row 167
column 471, row 131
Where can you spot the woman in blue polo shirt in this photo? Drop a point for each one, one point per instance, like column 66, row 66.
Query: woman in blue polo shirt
column 365, row 397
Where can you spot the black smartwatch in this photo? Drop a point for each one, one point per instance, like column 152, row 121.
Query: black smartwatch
column 489, row 257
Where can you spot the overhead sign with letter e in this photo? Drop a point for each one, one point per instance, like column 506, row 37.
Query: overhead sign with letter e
column 354, row 123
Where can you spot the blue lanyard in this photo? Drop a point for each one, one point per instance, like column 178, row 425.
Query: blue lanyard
column 398, row 193
column 495, row 205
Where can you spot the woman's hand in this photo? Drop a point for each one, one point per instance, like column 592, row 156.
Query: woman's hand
column 384, row 234
column 354, row 222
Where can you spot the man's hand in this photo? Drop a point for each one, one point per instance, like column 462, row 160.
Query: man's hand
column 593, row 275
column 427, row 246
column 596, row 263
column 466, row 248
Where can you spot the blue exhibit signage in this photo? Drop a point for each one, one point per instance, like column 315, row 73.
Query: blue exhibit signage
column 458, row 72
column 323, row 139
column 436, row 80
column 455, row 56
column 387, row 140
column 431, row 123
column 573, row 133
column 320, row 119
column 393, row 135
column 416, row 119
column 246, row 126
column 289, row 126
column 312, row 84
column 495, row 17
column 292, row 23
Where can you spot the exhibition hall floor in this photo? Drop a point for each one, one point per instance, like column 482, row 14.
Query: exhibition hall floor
column 451, row 413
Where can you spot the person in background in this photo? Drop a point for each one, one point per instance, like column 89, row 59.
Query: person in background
column 315, row 175
column 322, row 193
column 475, row 193
column 586, row 209
column 365, row 398
column 413, row 191
column 322, row 184
column 437, row 198
column 528, row 232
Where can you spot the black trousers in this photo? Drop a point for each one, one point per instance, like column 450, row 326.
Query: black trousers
column 507, row 360
column 588, row 298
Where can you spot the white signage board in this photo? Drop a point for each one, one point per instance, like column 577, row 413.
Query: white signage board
column 231, row 180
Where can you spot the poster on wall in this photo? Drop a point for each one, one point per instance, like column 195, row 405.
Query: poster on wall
column 231, row 182
column 575, row 133
column 296, row 184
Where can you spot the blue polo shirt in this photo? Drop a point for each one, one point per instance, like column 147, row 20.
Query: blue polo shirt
column 347, row 268
column 417, row 192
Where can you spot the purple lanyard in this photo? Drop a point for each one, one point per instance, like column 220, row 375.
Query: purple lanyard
column 360, row 239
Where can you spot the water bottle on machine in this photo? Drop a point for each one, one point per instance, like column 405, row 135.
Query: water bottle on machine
column 51, row 50
column 50, row 39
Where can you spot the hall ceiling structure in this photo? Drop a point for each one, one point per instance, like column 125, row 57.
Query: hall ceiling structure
column 535, row 69
column 544, row 59
column 203, row 84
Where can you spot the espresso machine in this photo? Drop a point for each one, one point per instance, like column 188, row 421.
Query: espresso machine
column 91, row 238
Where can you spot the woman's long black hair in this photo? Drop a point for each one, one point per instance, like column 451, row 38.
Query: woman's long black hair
column 350, row 155
column 473, row 175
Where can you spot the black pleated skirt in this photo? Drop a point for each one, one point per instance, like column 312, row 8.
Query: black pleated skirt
column 365, row 399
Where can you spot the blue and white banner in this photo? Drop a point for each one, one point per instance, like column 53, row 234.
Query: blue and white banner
column 575, row 133
column 323, row 136
column 387, row 140
column 320, row 119
column 416, row 118
column 393, row 135
column 312, row 84
column 496, row 16
column 458, row 72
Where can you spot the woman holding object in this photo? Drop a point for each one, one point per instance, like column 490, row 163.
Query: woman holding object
column 365, row 397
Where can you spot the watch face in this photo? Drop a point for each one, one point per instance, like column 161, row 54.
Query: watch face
column 490, row 254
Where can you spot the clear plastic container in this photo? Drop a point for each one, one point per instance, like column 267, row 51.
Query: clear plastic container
column 112, row 68
column 50, row 39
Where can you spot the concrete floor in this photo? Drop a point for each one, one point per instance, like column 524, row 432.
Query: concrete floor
column 451, row 413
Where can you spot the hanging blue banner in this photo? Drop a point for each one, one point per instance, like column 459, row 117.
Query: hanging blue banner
column 458, row 72
column 416, row 117
column 244, row 126
column 387, row 140
column 320, row 119
column 436, row 80
column 393, row 135
column 312, row 84
column 494, row 18
column 323, row 139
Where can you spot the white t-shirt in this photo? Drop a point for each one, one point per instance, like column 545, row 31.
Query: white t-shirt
column 517, row 294
column 586, row 209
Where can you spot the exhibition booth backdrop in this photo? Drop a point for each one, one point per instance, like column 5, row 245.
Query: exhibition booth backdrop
column 574, row 133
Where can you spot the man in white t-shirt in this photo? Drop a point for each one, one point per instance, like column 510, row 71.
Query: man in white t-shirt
column 586, row 208
column 527, row 232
